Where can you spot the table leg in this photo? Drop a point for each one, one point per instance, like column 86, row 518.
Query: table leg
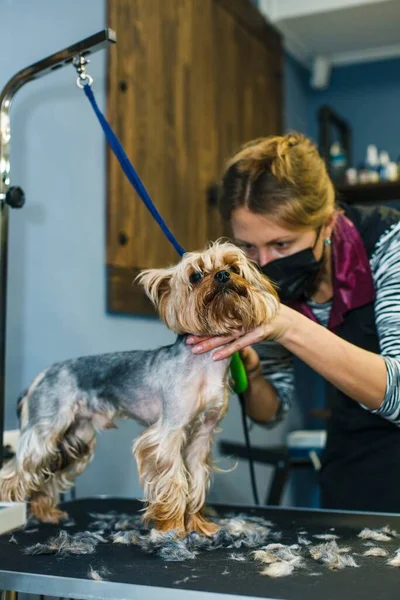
column 279, row 480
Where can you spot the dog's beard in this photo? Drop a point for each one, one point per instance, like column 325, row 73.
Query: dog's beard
column 230, row 290
column 236, row 308
column 222, row 310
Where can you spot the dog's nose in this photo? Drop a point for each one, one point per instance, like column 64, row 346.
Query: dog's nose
column 222, row 276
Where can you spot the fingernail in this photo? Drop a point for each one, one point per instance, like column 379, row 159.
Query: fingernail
column 197, row 349
column 217, row 356
column 189, row 340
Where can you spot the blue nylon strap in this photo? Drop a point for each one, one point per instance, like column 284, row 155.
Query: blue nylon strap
column 130, row 172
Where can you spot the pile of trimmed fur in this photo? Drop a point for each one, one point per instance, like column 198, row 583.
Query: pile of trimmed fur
column 237, row 532
column 234, row 533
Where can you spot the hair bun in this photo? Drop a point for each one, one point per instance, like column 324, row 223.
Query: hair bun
column 273, row 153
column 282, row 175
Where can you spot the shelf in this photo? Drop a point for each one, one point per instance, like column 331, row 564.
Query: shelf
column 369, row 192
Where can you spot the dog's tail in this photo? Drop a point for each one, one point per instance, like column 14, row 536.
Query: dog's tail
column 24, row 473
column 12, row 486
column 16, row 481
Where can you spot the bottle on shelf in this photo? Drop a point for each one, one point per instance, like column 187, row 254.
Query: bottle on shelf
column 384, row 161
column 351, row 176
column 372, row 163
column 392, row 171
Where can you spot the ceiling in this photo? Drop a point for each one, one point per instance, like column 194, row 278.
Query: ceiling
column 344, row 32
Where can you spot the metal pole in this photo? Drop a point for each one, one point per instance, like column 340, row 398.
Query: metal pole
column 14, row 197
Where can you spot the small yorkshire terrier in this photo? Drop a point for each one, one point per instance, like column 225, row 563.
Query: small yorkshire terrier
column 178, row 396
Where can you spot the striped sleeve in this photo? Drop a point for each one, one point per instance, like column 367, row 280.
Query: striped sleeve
column 385, row 266
column 277, row 368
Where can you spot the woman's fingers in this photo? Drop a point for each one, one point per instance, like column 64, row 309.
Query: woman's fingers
column 253, row 337
column 250, row 359
column 196, row 339
column 208, row 344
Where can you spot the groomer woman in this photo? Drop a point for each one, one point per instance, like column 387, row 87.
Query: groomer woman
column 338, row 272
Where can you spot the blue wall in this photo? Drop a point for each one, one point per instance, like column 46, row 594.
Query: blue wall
column 297, row 96
column 368, row 96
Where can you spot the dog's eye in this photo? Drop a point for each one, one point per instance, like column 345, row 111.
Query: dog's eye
column 196, row 277
column 235, row 269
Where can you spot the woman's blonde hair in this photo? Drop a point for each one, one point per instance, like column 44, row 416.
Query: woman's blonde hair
column 282, row 177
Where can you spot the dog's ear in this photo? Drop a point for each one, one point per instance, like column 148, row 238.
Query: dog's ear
column 156, row 283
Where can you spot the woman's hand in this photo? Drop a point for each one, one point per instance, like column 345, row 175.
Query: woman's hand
column 251, row 361
column 275, row 330
column 252, row 364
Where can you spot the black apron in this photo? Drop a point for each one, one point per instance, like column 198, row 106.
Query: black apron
column 361, row 463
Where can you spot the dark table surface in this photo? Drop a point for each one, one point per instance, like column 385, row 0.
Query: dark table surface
column 135, row 574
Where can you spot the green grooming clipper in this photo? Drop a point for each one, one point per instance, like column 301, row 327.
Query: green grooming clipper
column 238, row 373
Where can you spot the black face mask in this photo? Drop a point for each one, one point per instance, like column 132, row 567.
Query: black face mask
column 296, row 274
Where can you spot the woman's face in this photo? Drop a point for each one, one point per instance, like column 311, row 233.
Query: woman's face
column 265, row 241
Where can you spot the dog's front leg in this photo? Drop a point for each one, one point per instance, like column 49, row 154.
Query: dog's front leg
column 163, row 475
column 199, row 465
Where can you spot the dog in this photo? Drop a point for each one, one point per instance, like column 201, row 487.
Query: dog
column 178, row 396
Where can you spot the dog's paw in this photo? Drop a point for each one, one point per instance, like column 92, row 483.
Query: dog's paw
column 46, row 514
column 201, row 525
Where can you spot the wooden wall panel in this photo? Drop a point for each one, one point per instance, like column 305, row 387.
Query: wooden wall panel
column 188, row 82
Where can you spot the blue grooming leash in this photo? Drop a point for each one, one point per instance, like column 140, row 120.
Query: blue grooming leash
column 130, row 172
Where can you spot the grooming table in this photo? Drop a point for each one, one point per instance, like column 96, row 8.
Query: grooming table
column 136, row 575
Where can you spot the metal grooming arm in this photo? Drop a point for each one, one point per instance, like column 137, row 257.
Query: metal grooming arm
column 14, row 196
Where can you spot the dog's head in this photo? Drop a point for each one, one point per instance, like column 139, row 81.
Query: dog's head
column 213, row 292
